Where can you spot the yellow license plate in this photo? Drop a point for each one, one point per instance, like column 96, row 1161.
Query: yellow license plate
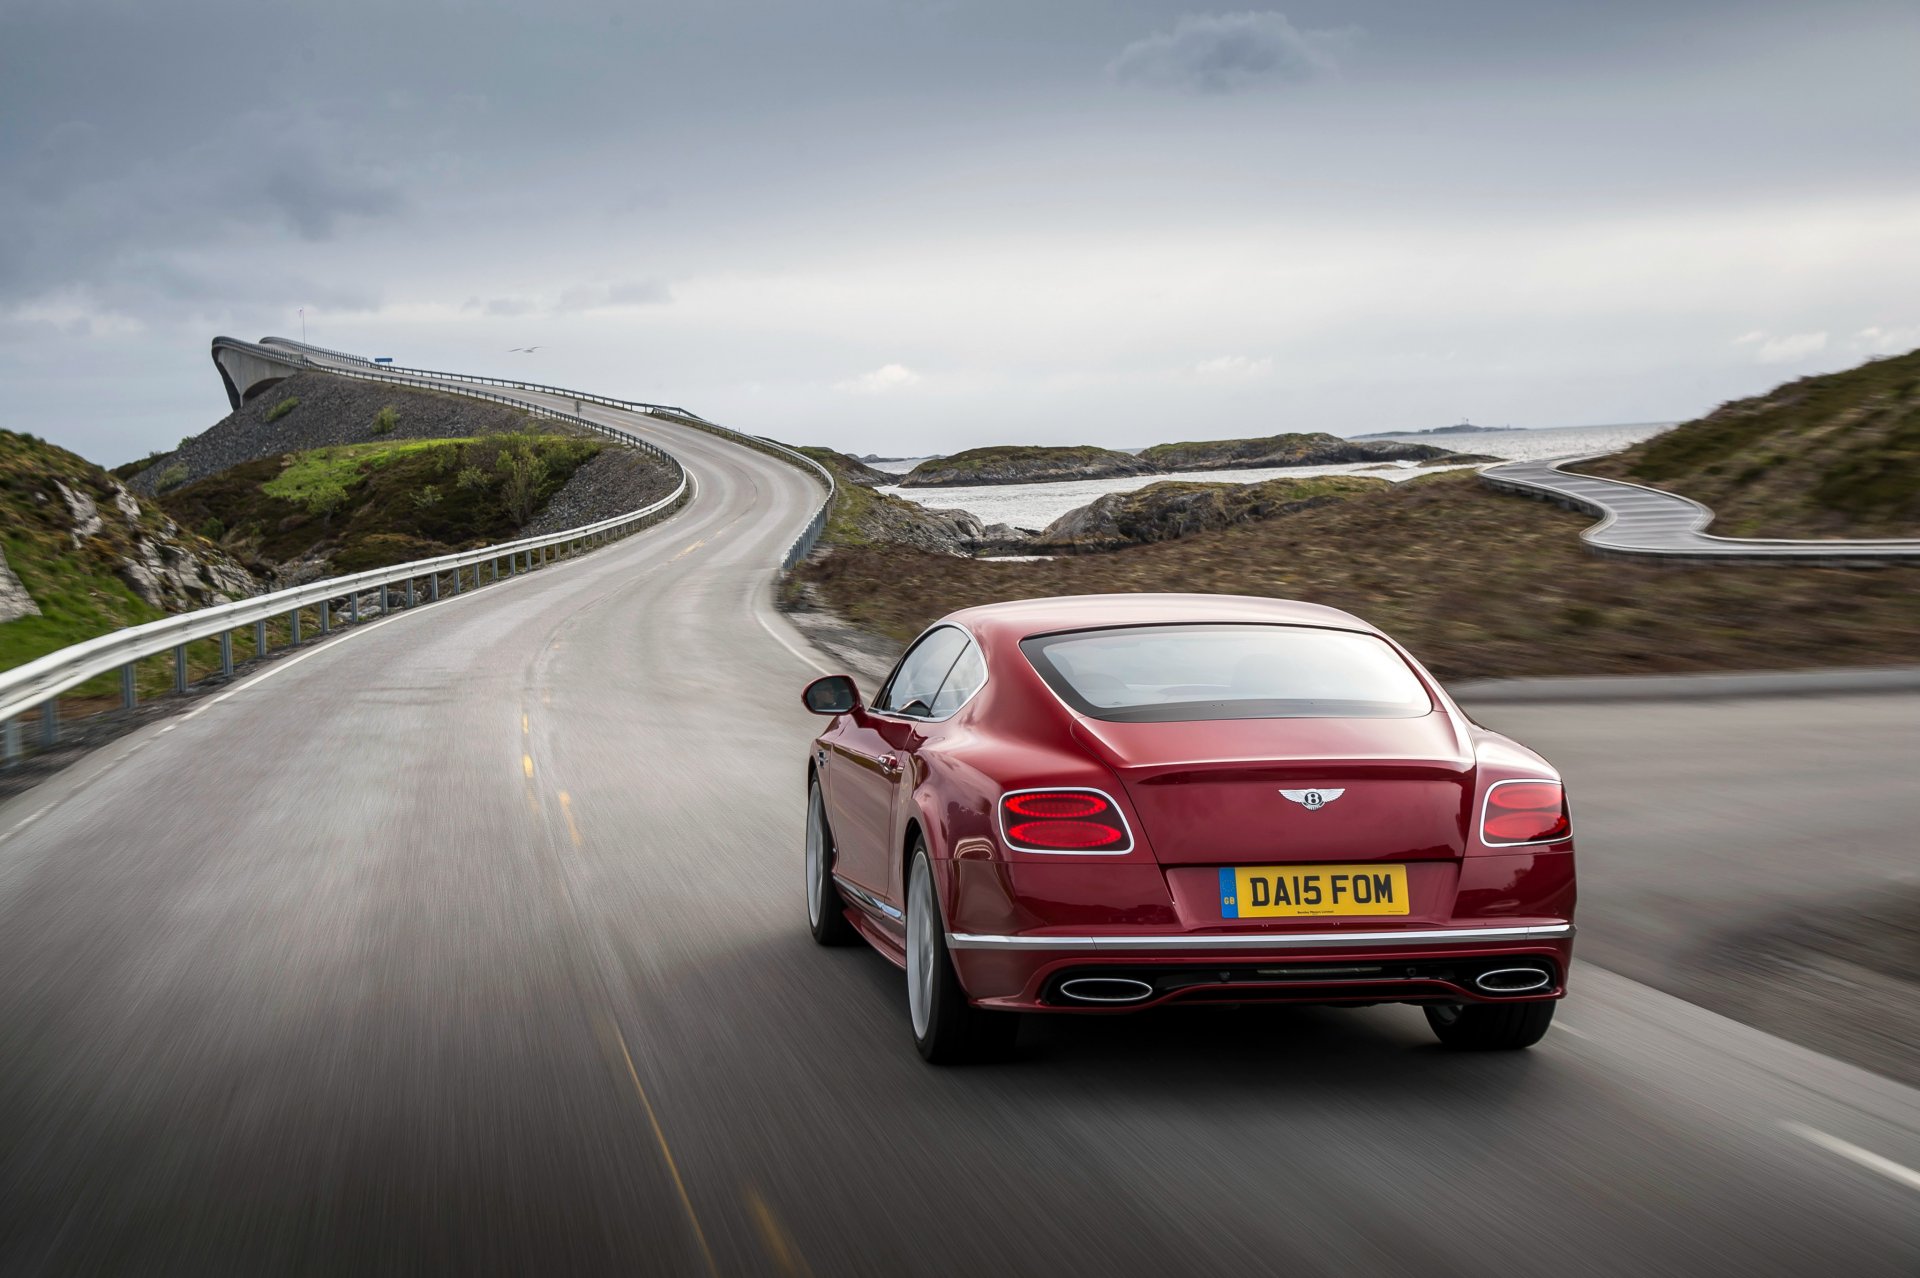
column 1308, row 891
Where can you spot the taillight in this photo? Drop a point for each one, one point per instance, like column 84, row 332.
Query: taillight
column 1525, row 812
column 1063, row 821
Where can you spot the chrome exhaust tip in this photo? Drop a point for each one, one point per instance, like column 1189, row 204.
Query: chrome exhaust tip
column 1513, row 980
column 1105, row 989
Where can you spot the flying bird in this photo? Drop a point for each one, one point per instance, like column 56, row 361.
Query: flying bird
column 516, row 350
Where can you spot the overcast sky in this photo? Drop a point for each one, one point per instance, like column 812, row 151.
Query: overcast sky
column 904, row 226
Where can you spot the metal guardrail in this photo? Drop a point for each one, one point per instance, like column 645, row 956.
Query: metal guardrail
column 1639, row 522
column 39, row 683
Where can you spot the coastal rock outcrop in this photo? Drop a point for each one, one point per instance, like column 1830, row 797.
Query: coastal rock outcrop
column 1178, row 508
column 1024, row 464
column 1316, row 449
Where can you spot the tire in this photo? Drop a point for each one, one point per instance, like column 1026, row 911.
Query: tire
column 946, row 1028
column 826, row 913
column 1489, row 1027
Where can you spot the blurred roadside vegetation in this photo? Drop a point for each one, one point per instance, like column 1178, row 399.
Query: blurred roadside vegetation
column 1476, row 584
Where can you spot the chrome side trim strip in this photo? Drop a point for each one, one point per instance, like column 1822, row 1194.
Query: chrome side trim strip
column 867, row 900
column 1270, row 941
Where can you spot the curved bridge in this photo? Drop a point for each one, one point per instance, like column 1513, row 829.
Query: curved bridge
column 1638, row 521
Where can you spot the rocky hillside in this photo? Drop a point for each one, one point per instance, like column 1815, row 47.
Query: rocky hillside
column 1830, row 456
column 300, row 515
column 318, row 410
column 1177, row 508
column 1317, row 449
column 1023, row 464
column 84, row 555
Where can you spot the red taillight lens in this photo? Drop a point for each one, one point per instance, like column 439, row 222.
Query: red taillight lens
column 1071, row 806
column 1525, row 796
column 1063, row 834
column 1063, row 821
column 1526, row 812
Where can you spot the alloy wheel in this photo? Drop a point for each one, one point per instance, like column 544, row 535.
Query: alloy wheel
column 816, row 856
column 922, row 918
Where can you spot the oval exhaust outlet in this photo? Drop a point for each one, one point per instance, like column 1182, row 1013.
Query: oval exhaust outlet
column 1105, row 989
column 1513, row 980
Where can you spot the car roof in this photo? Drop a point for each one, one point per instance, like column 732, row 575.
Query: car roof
column 1019, row 618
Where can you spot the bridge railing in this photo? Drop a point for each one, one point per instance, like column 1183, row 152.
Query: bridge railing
column 299, row 349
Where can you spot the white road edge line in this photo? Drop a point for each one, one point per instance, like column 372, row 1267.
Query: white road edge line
column 1865, row 1157
column 784, row 642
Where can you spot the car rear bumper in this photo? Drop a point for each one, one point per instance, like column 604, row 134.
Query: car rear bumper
column 1046, row 971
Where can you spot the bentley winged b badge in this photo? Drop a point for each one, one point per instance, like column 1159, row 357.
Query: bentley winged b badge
column 1312, row 800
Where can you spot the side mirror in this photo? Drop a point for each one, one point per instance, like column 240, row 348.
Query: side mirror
column 835, row 694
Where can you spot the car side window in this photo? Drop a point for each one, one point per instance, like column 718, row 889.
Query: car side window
column 922, row 671
column 968, row 673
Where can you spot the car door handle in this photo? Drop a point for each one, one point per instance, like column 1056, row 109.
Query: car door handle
column 889, row 765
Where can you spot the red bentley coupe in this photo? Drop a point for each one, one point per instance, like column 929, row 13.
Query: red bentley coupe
column 1113, row 802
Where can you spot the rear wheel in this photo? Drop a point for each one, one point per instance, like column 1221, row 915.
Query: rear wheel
column 946, row 1028
column 826, row 916
column 1489, row 1027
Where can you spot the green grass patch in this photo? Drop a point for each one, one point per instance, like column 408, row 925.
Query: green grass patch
column 282, row 408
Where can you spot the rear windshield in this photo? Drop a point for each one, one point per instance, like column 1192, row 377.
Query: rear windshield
column 1162, row 674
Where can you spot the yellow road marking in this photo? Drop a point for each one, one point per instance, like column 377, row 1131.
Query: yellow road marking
column 778, row 1245
column 526, row 764
column 566, row 810
column 690, row 549
column 526, row 723
column 666, row 1152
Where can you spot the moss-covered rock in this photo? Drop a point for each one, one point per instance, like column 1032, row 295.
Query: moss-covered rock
column 1315, row 449
column 1024, row 464
column 1178, row 508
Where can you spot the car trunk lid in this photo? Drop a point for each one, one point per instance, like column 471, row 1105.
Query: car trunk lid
column 1210, row 792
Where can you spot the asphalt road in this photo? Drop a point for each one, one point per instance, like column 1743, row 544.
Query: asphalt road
column 473, row 942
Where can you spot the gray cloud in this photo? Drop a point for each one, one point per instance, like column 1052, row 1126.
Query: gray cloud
column 314, row 197
column 1570, row 208
column 587, row 297
column 1227, row 52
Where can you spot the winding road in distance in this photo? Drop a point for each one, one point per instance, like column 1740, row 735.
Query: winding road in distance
column 472, row 942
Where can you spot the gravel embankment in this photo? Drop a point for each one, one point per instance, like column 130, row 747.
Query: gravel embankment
column 618, row 480
column 332, row 411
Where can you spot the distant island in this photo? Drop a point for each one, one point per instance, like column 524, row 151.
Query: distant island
column 1464, row 428
column 1043, row 463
